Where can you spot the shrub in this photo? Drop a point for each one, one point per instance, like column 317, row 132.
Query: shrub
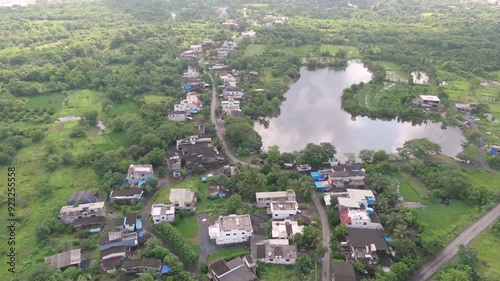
column 179, row 245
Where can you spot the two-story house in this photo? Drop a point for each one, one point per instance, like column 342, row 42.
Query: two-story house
column 178, row 116
column 183, row 199
column 274, row 251
column 367, row 246
column 117, row 239
column 283, row 209
column 112, row 257
column 140, row 266
column 237, row 269
column 232, row 92
column 162, row 212
column 231, row 229
column 264, row 199
column 139, row 174
column 70, row 213
column 285, row 229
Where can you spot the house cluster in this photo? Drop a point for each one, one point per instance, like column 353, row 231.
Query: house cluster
column 179, row 199
column 230, row 93
column 191, row 152
column 186, row 107
column 339, row 177
column 226, row 49
column 193, row 53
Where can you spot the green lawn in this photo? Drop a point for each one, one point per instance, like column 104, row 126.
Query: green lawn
column 407, row 190
column 227, row 253
column 188, row 226
column 271, row 272
column 450, row 220
column 126, row 107
column 48, row 101
column 254, row 50
column 488, row 179
column 395, row 71
column 157, row 99
column 417, row 186
column 488, row 254
column 333, row 49
column 80, row 101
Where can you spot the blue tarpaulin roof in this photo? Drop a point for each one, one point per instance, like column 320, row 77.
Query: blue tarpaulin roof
column 138, row 223
column 140, row 234
column 165, row 269
column 388, row 239
column 321, row 184
column 494, row 150
column 141, row 182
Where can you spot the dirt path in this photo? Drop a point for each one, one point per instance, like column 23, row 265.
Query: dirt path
column 432, row 266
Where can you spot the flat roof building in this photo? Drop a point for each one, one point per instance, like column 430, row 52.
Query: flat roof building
column 183, row 199
column 231, row 229
column 65, row 259
column 162, row 212
column 264, row 199
column 70, row 213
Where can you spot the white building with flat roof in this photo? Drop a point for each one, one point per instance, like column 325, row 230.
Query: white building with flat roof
column 275, row 251
column 162, row 212
column 283, row 209
column 70, row 213
column 183, row 199
column 264, row 199
column 231, row 229
column 429, row 100
column 285, row 229
column 139, row 173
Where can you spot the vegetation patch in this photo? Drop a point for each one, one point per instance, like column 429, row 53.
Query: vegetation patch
column 488, row 252
column 226, row 253
column 417, row 186
column 126, row 107
column 48, row 101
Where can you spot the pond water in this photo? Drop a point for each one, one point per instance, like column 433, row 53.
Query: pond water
column 312, row 113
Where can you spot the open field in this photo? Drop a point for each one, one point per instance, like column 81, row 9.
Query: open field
column 352, row 52
column 48, row 101
column 271, row 272
column 254, row 50
column 488, row 252
column 417, row 186
column 157, row 99
column 188, row 227
column 407, row 190
column 126, row 107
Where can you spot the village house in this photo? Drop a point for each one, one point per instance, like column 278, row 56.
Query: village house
column 368, row 246
column 139, row 174
column 232, row 92
column 249, row 34
column 140, row 266
column 89, row 223
column 253, row 73
column 274, row 251
column 178, row 116
column 117, row 238
column 217, row 191
column 429, row 101
column 126, row 194
column 237, row 269
column 218, row 67
column 231, row 229
column 190, row 55
column 230, row 170
column 162, row 212
column 229, row 106
column 70, row 213
column 464, row 108
column 285, row 229
column 196, row 48
column 183, row 199
column 65, row 259
column 132, row 222
column 229, row 45
column 223, row 53
column 191, row 72
column 264, row 199
column 195, row 151
column 83, row 197
column 283, row 209
column 112, row 257
column 228, row 79
column 228, row 23
column 343, row 271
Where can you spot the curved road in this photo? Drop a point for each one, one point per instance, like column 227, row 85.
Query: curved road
column 325, row 228
column 432, row 266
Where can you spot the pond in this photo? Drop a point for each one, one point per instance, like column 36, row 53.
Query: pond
column 312, row 113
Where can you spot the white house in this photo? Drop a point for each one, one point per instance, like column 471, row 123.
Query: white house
column 223, row 53
column 70, row 213
column 264, row 199
column 285, row 229
column 359, row 218
column 191, row 72
column 283, row 209
column 429, row 100
column 162, row 212
column 126, row 194
column 249, row 34
column 129, row 222
column 138, row 174
column 230, row 105
column 233, row 92
column 231, row 229
column 196, row 48
column 275, row 251
column 183, row 199
column 177, row 116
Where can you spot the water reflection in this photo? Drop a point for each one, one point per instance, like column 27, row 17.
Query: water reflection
column 312, row 113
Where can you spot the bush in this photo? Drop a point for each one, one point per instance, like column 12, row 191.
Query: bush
column 179, row 245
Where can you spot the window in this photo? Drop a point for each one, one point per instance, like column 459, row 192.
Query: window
column 242, row 237
column 234, row 233
column 364, row 223
column 287, row 260
column 275, row 215
column 270, row 259
column 243, row 233
column 228, row 234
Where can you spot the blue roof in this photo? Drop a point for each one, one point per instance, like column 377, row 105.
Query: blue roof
column 203, row 178
column 138, row 223
column 165, row 269
column 494, row 150
column 321, row 184
column 314, row 174
column 140, row 234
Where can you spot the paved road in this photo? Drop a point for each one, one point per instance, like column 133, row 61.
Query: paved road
column 433, row 265
column 213, row 119
column 325, row 227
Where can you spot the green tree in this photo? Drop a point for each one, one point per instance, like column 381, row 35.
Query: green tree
column 42, row 232
column 37, row 135
column 380, row 155
column 351, row 157
column 315, row 155
column 366, row 155
column 470, row 153
column 467, row 256
column 419, row 148
column 155, row 157
column 304, row 264
column 150, row 141
column 71, row 273
column 479, row 194
column 234, row 204
column 89, row 118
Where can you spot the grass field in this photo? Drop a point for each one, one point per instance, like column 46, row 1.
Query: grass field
column 488, row 252
column 352, row 52
column 126, row 107
column 55, row 101
column 81, row 101
column 188, row 227
column 394, row 71
column 488, row 179
column 407, row 190
column 157, row 99
column 417, row 186
column 227, row 253
column 271, row 272
column 254, row 50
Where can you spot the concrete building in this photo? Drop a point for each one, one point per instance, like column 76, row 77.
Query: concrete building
column 464, row 108
column 249, row 34
column 264, row 199
column 238, row 269
column 285, row 229
column 230, row 105
column 429, row 101
column 179, row 116
column 231, row 229
column 117, row 239
column 139, row 174
column 343, row 271
column 232, row 93
column 126, row 194
column 65, row 259
column 191, row 72
column 112, row 257
column 223, row 53
column 367, row 246
column 196, row 48
column 283, row 209
column 141, row 265
column 183, row 199
column 89, row 223
column 274, row 251
column 195, row 151
column 70, row 213
column 162, row 212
